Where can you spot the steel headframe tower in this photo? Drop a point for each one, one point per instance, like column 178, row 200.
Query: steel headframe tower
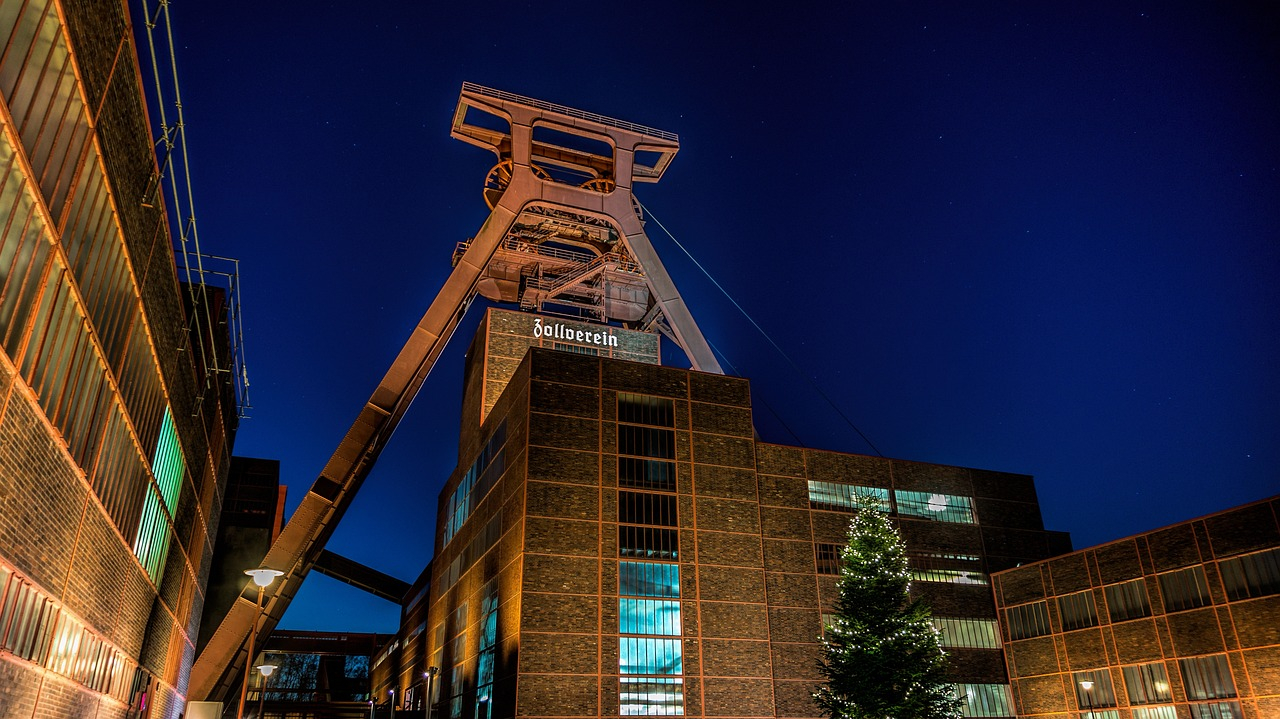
column 565, row 234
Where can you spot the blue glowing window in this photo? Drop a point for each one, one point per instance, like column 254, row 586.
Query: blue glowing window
column 649, row 616
column 642, row 655
column 648, row 579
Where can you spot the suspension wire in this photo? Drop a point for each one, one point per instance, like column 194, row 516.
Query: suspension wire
column 175, row 138
column 760, row 329
column 767, row 406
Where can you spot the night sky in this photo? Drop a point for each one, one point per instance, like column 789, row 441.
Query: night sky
column 1029, row 237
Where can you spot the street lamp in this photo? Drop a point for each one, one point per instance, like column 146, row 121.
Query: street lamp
column 1087, row 686
column 430, row 674
column 392, row 692
column 262, row 577
column 266, row 670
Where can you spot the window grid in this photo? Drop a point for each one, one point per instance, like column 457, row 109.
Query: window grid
column 965, row 633
column 646, row 409
column 828, row 558
column 647, row 508
column 1077, row 610
column 1253, row 575
column 35, row 628
column 846, row 497
column 1184, row 589
column 1028, row 620
column 984, row 700
column 1207, row 677
column 946, row 568
column 1147, row 683
column 1100, row 692
column 483, row 473
column 646, row 474
column 1128, row 600
column 641, row 441
column 935, row 506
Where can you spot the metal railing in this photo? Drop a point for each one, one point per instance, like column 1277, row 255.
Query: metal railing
column 571, row 112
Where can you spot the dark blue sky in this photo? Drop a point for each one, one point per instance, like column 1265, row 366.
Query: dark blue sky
column 1031, row 237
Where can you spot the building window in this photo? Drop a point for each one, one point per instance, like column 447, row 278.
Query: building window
column 1077, row 610
column 1028, row 620
column 828, row 557
column 1165, row 712
column 1094, row 689
column 650, row 696
column 476, row 483
column 646, row 441
column 984, row 700
column 1128, row 600
column 488, row 649
column 576, row 349
column 1147, row 683
column 1207, row 677
column 946, row 568
column 649, row 616
column 938, row 507
column 648, row 542
column 647, row 474
column 645, row 508
column 968, row 634
column 1253, row 575
column 846, row 497
column 648, row 579
column 1216, row 710
column 649, row 665
column 1184, row 589
column 644, row 409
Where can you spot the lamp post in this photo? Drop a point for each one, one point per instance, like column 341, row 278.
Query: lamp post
column 430, row 674
column 1087, row 686
column 370, row 709
column 266, row 671
column 262, row 577
column 392, row 692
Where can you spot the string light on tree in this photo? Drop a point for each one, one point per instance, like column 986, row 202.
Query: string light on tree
column 881, row 656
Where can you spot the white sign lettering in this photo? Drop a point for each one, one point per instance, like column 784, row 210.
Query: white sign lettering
column 561, row 331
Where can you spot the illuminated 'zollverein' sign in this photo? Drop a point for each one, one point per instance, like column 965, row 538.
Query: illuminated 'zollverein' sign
column 561, row 331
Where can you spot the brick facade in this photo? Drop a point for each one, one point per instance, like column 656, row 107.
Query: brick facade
column 108, row 546
column 1195, row 616
column 750, row 597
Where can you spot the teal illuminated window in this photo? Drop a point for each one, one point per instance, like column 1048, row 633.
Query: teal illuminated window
column 939, row 507
column 648, row 579
column 651, row 696
column 645, row 655
column 151, row 545
column 649, row 616
column 476, row 483
column 841, row 497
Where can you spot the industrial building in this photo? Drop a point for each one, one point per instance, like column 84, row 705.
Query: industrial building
column 616, row 542
column 117, row 398
column 1178, row 622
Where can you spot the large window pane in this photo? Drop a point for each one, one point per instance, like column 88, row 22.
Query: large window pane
column 935, row 506
column 648, row 616
column 1147, row 683
column 644, row 655
column 1128, row 600
column 1184, row 589
column 648, row 579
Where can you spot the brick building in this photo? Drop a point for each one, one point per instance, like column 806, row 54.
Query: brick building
column 616, row 542
column 1179, row 622
column 113, row 443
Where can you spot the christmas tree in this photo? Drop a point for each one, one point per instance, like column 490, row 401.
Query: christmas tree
column 881, row 655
